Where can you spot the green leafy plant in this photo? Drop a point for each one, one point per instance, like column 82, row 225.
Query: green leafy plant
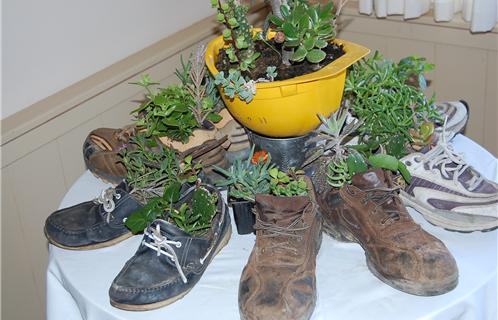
column 197, row 81
column 150, row 166
column 166, row 112
column 192, row 216
column 377, row 91
column 235, row 85
column 306, row 29
column 237, row 33
column 287, row 184
column 344, row 161
column 246, row 177
column 256, row 174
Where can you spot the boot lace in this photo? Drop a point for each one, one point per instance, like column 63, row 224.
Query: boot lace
column 452, row 165
column 163, row 246
column 381, row 196
column 292, row 231
column 106, row 199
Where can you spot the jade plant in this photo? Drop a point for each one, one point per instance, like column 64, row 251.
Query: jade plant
column 395, row 114
column 256, row 174
column 305, row 29
column 176, row 110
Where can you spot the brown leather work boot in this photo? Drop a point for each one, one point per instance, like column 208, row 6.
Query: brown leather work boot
column 278, row 281
column 398, row 251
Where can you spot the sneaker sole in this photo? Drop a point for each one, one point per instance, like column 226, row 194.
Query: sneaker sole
column 159, row 304
column 459, row 222
column 91, row 246
column 411, row 287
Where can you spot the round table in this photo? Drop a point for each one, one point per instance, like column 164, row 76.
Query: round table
column 78, row 281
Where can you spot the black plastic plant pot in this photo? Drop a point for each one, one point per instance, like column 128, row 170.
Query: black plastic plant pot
column 243, row 216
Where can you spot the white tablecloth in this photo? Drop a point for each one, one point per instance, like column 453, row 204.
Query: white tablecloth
column 78, row 281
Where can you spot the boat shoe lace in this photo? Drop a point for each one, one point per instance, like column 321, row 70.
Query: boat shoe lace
column 284, row 233
column 451, row 164
column 163, row 246
column 106, row 199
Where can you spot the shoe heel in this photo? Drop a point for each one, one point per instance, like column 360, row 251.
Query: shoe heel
column 337, row 232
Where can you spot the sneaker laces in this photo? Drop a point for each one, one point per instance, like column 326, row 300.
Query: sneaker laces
column 162, row 245
column 106, row 199
column 452, row 164
column 291, row 231
column 381, row 196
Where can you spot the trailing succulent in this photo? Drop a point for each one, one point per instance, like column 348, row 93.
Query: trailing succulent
column 395, row 113
column 256, row 174
column 344, row 161
column 175, row 111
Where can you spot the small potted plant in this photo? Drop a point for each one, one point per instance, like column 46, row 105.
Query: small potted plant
column 256, row 175
column 276, row 81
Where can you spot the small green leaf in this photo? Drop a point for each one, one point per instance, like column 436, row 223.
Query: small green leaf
column 136, row 222
column 273, row 172
column 289, row 30
column 299, row 54
column 220, row 17
column 315, row 55
column 172, row 192
column 321, row 43
column 309, row 43
column 233, row 22
column 276, row 20
column 227, row 33
column 404, row 172
column 384, row 161
column 356, row 162
column 214, row 117
column 284, row 10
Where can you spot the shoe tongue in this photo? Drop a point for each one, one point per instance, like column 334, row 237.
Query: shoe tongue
column 281, row 211
column 170, row 230
column 374, row 178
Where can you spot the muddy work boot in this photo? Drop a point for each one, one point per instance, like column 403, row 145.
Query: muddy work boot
column 278, row 281
column 398, row 251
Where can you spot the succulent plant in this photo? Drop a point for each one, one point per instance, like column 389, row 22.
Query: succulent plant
column 307, row 29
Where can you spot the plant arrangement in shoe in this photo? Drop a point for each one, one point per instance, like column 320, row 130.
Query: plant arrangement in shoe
column 278, row 281
column 343, row 161
column 257, row 175
column 278, row 62
column 177, row 110
column 193, row 218
column 395, row 115
column 172, row 259
column 150, row 166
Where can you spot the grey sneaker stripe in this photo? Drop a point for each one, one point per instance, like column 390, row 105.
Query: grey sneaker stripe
column 449, row 205
column 422, row 183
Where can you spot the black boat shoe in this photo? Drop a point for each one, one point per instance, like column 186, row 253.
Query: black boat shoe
column 93, row 224
column 168, row 263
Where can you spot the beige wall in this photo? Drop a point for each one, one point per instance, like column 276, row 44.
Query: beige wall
column 41, row 145
column 50, row 44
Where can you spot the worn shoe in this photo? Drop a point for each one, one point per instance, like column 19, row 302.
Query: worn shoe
column 456, row 113
column 169, row 262
column 93, row 224
column 398, row 252
column 278, row 281
column 101, row 152
column 448, row 192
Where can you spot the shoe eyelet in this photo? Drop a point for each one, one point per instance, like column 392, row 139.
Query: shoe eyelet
column 408, row 162
column 417, row 159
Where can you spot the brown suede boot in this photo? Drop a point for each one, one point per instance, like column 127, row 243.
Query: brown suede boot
column 278, row 281
column 398, row 251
